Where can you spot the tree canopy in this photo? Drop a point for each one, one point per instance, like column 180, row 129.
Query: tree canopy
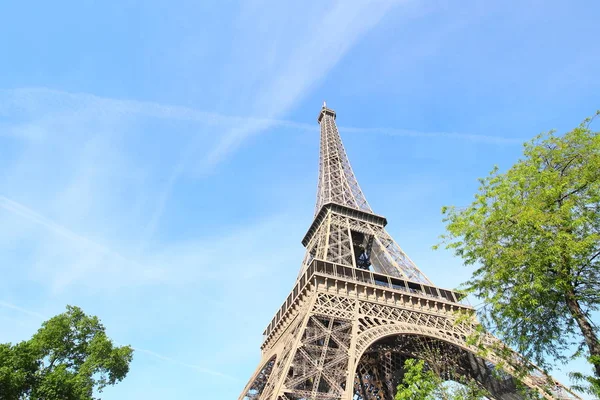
column 68, row 358
column 533, row 234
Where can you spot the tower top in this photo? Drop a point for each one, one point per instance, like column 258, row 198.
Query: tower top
column 325, row 111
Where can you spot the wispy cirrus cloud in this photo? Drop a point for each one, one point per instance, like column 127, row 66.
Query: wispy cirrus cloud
column 39, row 99
column 90, row 259
column 86, row 172
column 310, row 54
column 315, row 51
column 42, row 103
column 27, row 213
column 176, row 263
column 490, row 139
column 8, row 305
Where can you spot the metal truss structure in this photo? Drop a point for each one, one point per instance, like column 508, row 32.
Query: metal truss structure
column 360, row 307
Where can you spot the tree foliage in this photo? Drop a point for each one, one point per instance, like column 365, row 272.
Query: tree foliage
column 421, row 383
column 417, row 383
column 534, row 234
column 68, row 358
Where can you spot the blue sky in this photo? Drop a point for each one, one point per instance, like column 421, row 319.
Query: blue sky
column 158, row 159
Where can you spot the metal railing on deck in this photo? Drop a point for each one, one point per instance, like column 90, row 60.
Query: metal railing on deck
column 363, row 276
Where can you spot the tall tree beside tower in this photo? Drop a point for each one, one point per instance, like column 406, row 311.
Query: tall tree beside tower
column 533, row 233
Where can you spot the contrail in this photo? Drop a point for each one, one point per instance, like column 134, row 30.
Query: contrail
column 11, row 306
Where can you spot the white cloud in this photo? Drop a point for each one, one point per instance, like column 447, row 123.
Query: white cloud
column 22, row 310
column 75, row 168
column 316, row 49
column 96, row 176
column 320, row 46
column 66, row 258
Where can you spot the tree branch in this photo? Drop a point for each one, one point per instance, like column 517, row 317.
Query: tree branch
column 572, row 192
column 562, row 171
column 594, row 256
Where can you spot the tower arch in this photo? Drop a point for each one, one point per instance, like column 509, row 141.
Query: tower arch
column 382, row 350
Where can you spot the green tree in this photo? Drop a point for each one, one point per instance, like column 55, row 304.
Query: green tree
column 533, row 233
column 420, row 383
column 68, row 359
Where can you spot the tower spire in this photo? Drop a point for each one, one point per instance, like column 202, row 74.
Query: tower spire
column 337, row 183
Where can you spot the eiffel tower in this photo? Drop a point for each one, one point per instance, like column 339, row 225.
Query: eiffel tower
column 360, row 307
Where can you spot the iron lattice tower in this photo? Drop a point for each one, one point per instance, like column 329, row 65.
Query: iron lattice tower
column 360, row 307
